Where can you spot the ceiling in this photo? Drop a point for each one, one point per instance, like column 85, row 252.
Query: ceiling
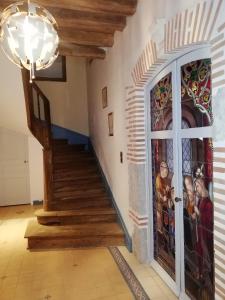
column 86, row 26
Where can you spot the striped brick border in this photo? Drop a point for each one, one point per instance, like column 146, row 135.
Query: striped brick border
column 191, row 27
column 140, row 221
column 135, row 120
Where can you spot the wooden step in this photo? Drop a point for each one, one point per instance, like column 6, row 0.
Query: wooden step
column 81, row 196
column 75, row 164
column 86, row 177
column 71, row 159
column 60, row 142
column 76, row 171
column 89, row 185
column 82, row 216
column 69, row 147
column 80, row 192
column 73, row 236
column 67, row 184
column 74, row 204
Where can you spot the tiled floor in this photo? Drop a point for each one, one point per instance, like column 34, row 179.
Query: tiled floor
column 149, row 279
column 64, row 275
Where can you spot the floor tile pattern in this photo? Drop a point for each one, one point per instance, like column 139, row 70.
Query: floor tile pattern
column 131, row 279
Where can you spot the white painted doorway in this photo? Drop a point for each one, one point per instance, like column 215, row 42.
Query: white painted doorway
column 14, row 168
column 180, row 173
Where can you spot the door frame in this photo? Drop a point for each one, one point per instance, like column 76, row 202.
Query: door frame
column 177, row 286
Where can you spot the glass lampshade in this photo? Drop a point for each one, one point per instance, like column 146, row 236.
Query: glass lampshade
column 28, row 36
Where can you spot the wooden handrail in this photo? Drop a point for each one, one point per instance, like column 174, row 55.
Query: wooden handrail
column 41, row 129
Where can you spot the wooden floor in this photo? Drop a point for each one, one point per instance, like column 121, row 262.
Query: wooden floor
column 82, row 214
column 82, row 274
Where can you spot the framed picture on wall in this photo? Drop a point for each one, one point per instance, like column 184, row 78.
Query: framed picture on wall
column 110, row 124
column 57, row 72
column 104, row 97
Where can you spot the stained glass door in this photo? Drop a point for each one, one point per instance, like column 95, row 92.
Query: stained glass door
column 181, row 175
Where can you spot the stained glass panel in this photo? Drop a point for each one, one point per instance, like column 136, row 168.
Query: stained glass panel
column 161, row 104
column 196, row 93
column 198, row 221
column 163, row 205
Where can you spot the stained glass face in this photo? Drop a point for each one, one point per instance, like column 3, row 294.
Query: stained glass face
column 163, row 204
column 198, row 218
column 161, row 104
column 196, row 93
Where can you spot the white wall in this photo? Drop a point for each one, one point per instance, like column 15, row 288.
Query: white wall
column 36, row 169
column 13, row 117
column 115, row 73
column 12, row 104
column 69, row 99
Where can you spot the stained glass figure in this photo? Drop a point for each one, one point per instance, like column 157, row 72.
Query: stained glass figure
column 163, row 207
column 196, row 99
column 161, row 103
column 198, row 222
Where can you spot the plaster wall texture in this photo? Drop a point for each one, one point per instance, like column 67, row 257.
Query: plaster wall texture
column 68, row 100
column 12, row 104
column 115, row 73
column 13, row 117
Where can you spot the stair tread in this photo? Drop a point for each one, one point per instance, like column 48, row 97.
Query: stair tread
column 80, row 212
column 35, row 230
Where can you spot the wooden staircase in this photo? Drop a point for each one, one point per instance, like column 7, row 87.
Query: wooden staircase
column 77, row 210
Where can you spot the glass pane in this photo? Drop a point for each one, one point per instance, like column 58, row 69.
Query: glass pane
column 196, row 93
column 198, row 218
column 163, row 204
column 161, row 104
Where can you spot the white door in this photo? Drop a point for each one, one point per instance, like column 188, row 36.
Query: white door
column 14, row 171
column 180, row 160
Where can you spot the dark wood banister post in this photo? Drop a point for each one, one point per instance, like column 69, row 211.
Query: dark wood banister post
column 42, row 131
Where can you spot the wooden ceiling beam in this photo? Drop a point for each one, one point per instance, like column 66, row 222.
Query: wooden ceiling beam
column 86, row 21
column 117, row 7
column 99, row 39
column 81, row 51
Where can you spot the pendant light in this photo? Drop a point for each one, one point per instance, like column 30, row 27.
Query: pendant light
column 28, row 36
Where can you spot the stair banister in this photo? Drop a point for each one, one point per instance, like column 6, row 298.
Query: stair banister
column 41, row 129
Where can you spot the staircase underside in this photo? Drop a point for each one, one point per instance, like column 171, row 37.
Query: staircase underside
column 81, row 214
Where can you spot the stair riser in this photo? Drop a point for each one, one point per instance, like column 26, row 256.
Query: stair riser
column 78, row 181
column 67, row 178
column 71, row 220
column 59, row 142
column 80, row 194
column 62, row 243
column 77, row 172
column 74, row 166
column 72, row 206
column 78, row 187
column 69, row 148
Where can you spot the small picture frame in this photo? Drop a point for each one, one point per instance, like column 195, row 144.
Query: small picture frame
column 110, row 124
column 104, row 97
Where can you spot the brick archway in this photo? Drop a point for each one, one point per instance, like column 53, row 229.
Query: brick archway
column 200, row 25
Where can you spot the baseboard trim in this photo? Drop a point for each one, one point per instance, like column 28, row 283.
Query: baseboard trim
column 128, row 239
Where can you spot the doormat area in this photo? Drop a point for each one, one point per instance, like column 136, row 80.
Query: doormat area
column 132, row 281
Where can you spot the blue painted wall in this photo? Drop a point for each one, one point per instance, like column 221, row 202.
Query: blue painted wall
column 72, row 136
